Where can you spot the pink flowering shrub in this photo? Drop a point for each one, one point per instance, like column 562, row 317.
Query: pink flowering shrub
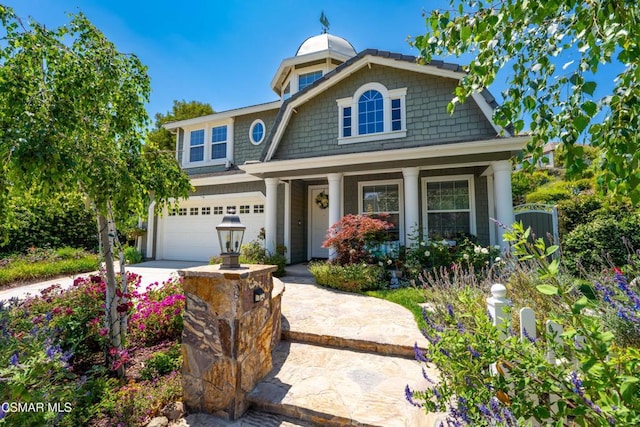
column 157, row 316
column 75, row 315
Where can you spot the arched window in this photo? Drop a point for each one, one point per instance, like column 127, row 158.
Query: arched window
column 370, row 113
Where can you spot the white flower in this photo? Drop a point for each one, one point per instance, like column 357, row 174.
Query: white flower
column 380, row 263
column 389, row 262
column 465, row 256
column 476, row 249
column 484, row 251
column 498, row 259
column 486, row 263
column 422, row 244
column 427, row 253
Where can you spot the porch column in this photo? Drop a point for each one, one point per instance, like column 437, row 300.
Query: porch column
column 503, row 197
column 271, row 214
column 411, row 205
column 335, row 196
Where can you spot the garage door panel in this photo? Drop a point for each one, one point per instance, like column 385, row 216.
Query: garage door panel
column 194, row 237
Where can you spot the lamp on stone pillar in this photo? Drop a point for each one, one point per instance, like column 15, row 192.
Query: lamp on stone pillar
column 230, row 234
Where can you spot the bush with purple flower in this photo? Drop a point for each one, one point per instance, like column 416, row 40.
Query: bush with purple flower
column 490, row 376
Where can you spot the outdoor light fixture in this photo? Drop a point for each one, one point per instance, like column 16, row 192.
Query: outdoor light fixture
column 258, row 295
column 230, row 234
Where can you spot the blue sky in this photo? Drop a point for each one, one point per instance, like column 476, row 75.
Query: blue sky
column 226, row 52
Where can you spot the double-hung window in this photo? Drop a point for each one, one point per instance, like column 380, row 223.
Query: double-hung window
column 209, row 145
column 196, row 146
column 219, row 142
column 383, row 199
column 449, row 206
column 372, row 113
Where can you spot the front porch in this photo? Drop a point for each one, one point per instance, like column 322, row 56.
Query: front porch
column 427, row 199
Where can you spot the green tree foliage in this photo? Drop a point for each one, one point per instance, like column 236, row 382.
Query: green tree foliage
column 72, row 118
column 553, row 50
column 54, row 222
column 160, row 137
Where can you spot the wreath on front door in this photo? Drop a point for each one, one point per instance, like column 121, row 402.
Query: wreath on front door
column 322, row 200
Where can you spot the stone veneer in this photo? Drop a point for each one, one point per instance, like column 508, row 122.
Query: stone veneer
column 228, row 339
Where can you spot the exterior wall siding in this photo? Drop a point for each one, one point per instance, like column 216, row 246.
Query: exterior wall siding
column 243, row 149
column 482, row 210
column 313, row 129
column 241, row 187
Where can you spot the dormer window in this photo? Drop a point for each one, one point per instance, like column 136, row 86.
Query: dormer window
column 307, row 79
column 372, row 113
column 212, row 145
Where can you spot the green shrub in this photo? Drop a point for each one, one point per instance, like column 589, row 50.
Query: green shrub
column 601, row 241
column 62, row 220
column 576, row 210
column 39, row 264
column 524, row 182
column 134, row 404
column 132, row 255
column 350, row 277
column 555, row 191
column 255, row 253
column 162, row 363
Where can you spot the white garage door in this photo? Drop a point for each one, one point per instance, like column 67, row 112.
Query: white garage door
column 189, row 233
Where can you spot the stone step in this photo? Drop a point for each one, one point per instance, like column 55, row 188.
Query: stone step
column 348, row 343
column 252, row 418
column 322, row 316
column 329, row 386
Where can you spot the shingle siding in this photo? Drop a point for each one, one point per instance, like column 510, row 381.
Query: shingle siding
column 243, row 149
column 313, row 129
column 242, row 187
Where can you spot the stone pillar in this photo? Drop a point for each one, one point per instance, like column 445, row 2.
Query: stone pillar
column 503, row 197
column 411, row 205
column 335, row 198
column 271, row 214
column 228, row 336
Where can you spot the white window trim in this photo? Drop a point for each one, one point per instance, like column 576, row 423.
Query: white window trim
column 264, row 133
column 186, row 158
column 472, row 200
column 387, row 96
column 399, row 183
column 297, row 72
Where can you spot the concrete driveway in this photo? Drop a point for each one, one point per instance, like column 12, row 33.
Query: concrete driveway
column 150, row 271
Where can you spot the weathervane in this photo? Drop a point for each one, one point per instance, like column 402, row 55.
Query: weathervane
column 325, row 22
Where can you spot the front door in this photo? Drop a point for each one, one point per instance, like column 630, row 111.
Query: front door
column 319, row 221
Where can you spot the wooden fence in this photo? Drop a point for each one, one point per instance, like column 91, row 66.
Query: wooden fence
column 496, row 304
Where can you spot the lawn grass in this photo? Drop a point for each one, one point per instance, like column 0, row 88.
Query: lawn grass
column 410, row 298
column 19, row 271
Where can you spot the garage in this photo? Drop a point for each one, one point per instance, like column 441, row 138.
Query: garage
column 188, row 233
